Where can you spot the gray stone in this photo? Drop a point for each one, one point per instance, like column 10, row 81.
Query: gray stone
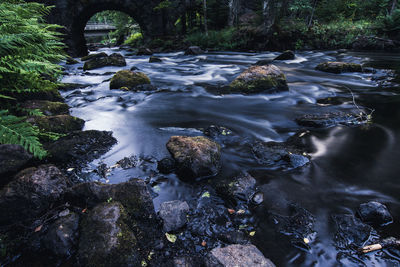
column 183, row 262
column 194, row 50
column 237, row 255
column 99, row 62
column 339, row 67
column 286, row 55
column 174, row 214
column 143, row 51
column 12, row 158
column 375, row 213
column 240, row 187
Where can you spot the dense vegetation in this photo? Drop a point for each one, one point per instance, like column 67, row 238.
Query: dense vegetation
column 29, row 52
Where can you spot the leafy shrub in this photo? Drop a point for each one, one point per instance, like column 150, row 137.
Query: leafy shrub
column 390, row 25
column 225, row 39
column 134, row 40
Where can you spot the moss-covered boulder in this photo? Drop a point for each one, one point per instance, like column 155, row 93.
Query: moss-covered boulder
column 339, row 67
column 50, row 95
column 286, row 55
column 106, row 239
column 257, row 79
column 195, row 156
column 47, row 107
column 71, row 86
column 92, row 56
column 102, row 61
column 58, row 124
column 71, row 61
column 128, row 79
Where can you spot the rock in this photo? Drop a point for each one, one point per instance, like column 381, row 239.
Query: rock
column 331, row 119
column 263, row 62
column 50, row 95
column 173, row 214
column 31, row 193
column 193, row 50
column 183, row 262
column 81, row 146
column 129, row 79
column 240, row 188
column 12, row 159
column 280, row 154
column 71, row 86
column 71, row 61
column 154, row 59
column 375, row 213
column 92, row 56
column 99, row 62
column 143, row 51
column 47, row 107
column 195, row 156
column 374, row 43
column 134, row 68
column 237, row 255
column 57, row 124
column 166, row 165
column 287, row 55
column 257, row 79
column 62, row 236
column 350, row 231
column 339, row 67
column 341, row 51
column 106, row 239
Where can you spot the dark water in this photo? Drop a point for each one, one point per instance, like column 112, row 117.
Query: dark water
column 350, row 165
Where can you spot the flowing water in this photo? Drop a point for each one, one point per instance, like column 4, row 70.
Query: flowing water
column 349, row 166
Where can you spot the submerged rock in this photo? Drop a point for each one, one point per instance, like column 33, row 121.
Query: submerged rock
column 239, row 188
column 31, row 193
column 350, row 231
column 154, row 59
column 143, row 51
column 257, row 79
column 47, row 107
column 58, row 124
column 195, row 156
column 128, row 79
column 237, row 255
column 12, row 159
column 106, row 239
column 102, row 61
column 80, row 146
column 193, row 50
column 331, row 119
column 339, row 67
column 375, row 213
column 286, row 55
column 166, row 165
column 173, row 214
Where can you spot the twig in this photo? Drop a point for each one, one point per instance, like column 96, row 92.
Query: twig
column 388, row 242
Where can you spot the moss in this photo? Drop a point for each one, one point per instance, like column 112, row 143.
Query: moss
column 47, row 107
column 58, row 124
column 92, row 56
column 339, row 67
column 128, row 79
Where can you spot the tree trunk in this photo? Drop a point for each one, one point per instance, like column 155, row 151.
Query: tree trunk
column 394, row 5
column 205, row 16
column 312, row 13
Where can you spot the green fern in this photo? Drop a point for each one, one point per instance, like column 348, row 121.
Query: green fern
column 15, row 130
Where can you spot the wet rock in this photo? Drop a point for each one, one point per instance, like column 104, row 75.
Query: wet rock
column 375, row 213
column 193, row 50
column 374, row 43
column 50, row 95
column 240, row 188
column 173, row 214
column 166, row 165
column 195, row 156
column 47, row 107
column 58, row 124
column 331, row 119
column 154, row 59
column 93, row 56
column 30, row 193
column 257, row 79
column 134, row 68
column 62, row 236
column 286, row 55
column 263, row 62
column 99, row 62
column 339, row 67
column 237, row 255
column 350, row 231
column 12, row 159
column 71, row 86
column 71, row 61
column 257, row 198
column 183, row 262
column 145, row 88
column 341, row 51
column 333, row 100
column 143, row 51
column 221, row 134
column 129, row 79
column 280, row 155
column 106, row 239
column 80, row 146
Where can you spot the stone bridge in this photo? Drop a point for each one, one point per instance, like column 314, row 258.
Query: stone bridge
column 74, row 15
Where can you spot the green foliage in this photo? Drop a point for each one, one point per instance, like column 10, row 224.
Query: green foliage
column 163, row 5
column 15, row 130
column 225, row 39
column 390, row 25
column 134, row 40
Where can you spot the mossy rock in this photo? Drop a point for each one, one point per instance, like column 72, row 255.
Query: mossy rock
column 128, row 79
column 50, row 95
column 92, row 56
column 143, row 51
column 155, row 60
column 62, row 124
column 257, row 79
column 71, row 61
column 339, row 67
column 47, row 107
column 71, row 86
column 99, row 62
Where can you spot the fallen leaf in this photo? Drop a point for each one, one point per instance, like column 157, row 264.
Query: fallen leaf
column 37, row 229
column 70, row 169
column 171, row 237
column 206, row 194
column 306, row 240
column 252, row 233
column 204, row 243
column 84, row 210
column 241, row 211
column 231, row 211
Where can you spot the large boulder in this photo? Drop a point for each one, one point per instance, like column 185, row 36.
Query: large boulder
column 143, row 51
column 339, row 67
column 195, row 156
column 374, row 43
column 12, row 159
column 257, row 79
column 58, row 124
column 95, row 55
column 31, row 193
column 286, row 55
column 375, row 213
column 193, row 50
column 71, row 61
column 106, row 239
column 102, row 61
column 47, row 107
column 237, row 255
column 173, row 214
column 80, row 146
column 128, row 79
column 49, row 94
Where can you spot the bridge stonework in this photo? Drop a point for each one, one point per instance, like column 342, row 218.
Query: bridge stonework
column 74, row 14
